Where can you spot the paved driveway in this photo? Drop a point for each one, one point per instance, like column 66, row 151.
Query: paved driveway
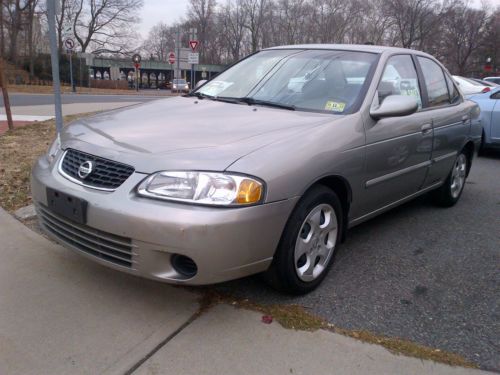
column 419, row 272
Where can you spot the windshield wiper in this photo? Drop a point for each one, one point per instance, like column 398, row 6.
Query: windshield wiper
column 252, row 101
column 200, row 95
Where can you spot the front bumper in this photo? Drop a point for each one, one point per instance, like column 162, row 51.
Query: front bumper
column 225, row 243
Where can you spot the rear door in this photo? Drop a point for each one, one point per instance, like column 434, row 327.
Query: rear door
column 398, row 148
column 449, row 115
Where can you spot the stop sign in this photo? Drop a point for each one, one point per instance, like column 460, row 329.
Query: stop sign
column 171, row 58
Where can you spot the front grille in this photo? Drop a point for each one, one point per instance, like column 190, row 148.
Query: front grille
column 106, row 246
column 107, row 174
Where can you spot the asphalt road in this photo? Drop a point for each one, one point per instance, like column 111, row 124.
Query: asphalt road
column 419, row 272
column 44, row 99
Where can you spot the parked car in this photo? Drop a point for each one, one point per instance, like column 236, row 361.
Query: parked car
column 246, row 176
column 180, row 85
column 470, row 87
column 484, row 83
column 493, row 79
column 489, row 103
column 165, row 85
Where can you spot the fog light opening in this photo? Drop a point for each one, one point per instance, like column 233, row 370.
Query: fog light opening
column 184, row 265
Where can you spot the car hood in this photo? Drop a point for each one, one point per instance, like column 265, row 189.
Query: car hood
column 185, row 133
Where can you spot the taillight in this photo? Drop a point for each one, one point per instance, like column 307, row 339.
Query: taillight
column 486, row 89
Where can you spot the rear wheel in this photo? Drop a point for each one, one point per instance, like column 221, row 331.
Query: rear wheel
column 449, row 193
column 308, row 243
column 481, row 146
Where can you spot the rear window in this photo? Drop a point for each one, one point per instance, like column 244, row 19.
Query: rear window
column 437, row 89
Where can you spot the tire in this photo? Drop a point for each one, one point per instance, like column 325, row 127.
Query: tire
column 308, row 243
column 482, row 146
column 449, row 193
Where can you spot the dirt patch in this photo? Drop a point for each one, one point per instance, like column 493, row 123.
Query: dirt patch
column 4, row 126
column 297, row 317
column 18, row 151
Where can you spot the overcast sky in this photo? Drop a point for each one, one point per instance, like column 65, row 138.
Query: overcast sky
column 166, row 11
column 170, row 11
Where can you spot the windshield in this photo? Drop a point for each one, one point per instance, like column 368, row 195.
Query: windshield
column 179, row 81
column 317, row 80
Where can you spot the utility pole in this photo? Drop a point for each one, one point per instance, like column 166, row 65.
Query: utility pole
column 6, row 101
column 178, row 45
column 54, row 59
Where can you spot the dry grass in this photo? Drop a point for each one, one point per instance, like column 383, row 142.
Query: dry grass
column 18, row 151
column 297, row 317
column 34, row 89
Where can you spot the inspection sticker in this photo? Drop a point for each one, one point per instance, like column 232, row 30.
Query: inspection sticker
column 334, row 106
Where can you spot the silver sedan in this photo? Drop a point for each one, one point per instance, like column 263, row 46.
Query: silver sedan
column 262, row 169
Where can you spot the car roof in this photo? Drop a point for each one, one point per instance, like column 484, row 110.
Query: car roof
column 352, row 47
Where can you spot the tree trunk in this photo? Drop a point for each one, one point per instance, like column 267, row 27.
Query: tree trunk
column 31, row 14
column 6, row 101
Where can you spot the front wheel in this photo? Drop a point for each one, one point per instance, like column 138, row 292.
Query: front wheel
column 308, row 243
column 449, row 193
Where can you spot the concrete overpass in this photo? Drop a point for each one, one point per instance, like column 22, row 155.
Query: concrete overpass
column 152, row 72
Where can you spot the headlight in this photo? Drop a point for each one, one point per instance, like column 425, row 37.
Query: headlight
column 175, row 86
column 53, row 150
column 203, row 188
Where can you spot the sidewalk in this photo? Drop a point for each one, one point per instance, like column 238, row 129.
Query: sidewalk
column 25, row 115
column 62, row 314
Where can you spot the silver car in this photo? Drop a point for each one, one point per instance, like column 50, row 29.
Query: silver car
column 246, row 175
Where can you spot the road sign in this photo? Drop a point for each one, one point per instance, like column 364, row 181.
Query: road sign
column 193, row 44
column 193, row 58
column 171, row 58
column 136, row 58
column 69, row 44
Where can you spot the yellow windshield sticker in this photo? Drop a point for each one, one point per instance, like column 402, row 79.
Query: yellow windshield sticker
column 334, row 106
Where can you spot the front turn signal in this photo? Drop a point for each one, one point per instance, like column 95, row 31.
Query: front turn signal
column 250, row 191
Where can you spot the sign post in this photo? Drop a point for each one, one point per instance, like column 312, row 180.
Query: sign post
column 54, row 59
column 193, row 43
column 70, row 44
column 136, row 59
column 171, row 61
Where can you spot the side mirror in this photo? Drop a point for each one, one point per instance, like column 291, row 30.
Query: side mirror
column 200, row 83
column 395, row 106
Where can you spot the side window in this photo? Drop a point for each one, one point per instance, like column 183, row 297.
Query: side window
column 452, row 90
column 437, row 89
column 495, row 95
column 399, row 78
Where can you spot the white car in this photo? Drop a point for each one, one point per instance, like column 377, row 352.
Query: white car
column 493, row 80
column 469, row 86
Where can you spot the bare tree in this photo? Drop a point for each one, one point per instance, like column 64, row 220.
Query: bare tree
column 232, row 19
column 160, row 41
column 15, row 9
column 464, row 34
column 409, row 18
column 202, row 15
column 105, row 26
column 256, row 12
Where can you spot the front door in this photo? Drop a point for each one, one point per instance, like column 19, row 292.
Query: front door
column 398, row 149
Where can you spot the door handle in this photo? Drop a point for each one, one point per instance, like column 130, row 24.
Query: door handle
column 426, row 129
